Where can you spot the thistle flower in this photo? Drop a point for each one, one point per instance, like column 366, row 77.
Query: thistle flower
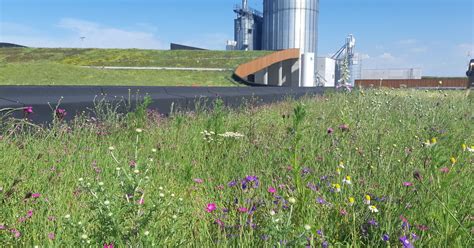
column 211, row 207
column 60, row 113
column 373, row 209
column 347, row 180
column 367, row 199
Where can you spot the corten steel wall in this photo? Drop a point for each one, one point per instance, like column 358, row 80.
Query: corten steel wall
column 259, row 64
column 290, row 24
column 414, row 83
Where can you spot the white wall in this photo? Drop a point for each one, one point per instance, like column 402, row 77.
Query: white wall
column 326, row 69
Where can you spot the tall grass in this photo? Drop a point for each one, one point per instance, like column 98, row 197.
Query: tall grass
column 254, row 177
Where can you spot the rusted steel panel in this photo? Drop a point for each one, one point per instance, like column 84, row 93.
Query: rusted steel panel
column 259, row 64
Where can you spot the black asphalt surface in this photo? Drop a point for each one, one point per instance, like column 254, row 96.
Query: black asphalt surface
column 80, row 99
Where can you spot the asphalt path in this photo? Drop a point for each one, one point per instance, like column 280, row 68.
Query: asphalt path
column 82, row 99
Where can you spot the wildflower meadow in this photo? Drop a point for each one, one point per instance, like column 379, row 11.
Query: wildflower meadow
column 369, row 168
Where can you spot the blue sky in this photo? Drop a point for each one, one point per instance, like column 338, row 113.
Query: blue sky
column 435, row 35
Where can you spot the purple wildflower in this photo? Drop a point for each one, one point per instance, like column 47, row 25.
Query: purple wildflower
column 305, row 171
column 406, row 242
column 29, row 213
column 51, row 236
column 132, row 164
column 414, row 236
column 325, row 244
column 320, row 232
column 232, row 183
column 321, row 201
column 253, row 180
column 373, row 222
column 312, row 186
column 28, row 110
column 385, row 237
column 2, row 227
column 60, row 113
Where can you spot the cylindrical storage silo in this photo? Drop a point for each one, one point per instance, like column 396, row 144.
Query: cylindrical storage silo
column 290, row 24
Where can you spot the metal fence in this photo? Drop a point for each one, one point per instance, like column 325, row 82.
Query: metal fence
column 415, row 83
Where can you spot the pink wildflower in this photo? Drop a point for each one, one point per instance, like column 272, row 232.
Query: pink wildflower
column 444, row 170
column 271, row 190
column 344, row 127
column 330, row 130
column 407, row 184
column 61, row 113
column 343, row 211
column 29, row 213
column 211, row 207
column 220, row 222
column 198, row 180
column 141, row 201
column 16, row 233
column 243, row 210
column 35, row 195
column 28, row 110
column 111, row 245
column 51, row 236
column 2, row 227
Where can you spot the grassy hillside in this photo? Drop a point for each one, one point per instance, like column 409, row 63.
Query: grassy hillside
column 48, row 66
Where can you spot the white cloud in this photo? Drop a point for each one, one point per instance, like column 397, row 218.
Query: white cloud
column 99, row 36
column 407, row 42
column 386, row 56
column 96, row 36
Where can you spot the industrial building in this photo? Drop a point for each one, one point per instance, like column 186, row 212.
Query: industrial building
column 283, row 25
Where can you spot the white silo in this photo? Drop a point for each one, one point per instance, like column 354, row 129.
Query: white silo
column 291, row 24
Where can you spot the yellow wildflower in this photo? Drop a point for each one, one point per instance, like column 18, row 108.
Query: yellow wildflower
column 367, row 199
column 351, row 201
column 453, row 160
